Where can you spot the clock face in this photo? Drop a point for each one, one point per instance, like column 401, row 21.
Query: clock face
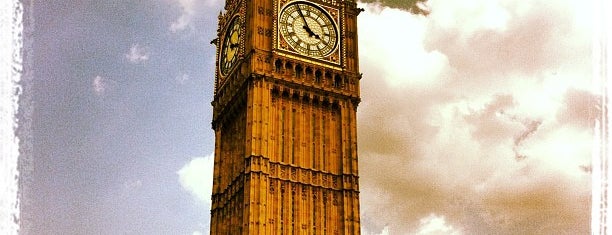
column 230, row 46
column 308, row 29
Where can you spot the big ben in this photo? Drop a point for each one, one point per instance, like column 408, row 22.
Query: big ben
column 284, row 116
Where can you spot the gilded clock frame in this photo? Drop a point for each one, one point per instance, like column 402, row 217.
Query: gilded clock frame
column 226, row 30
column 234, row 8
column 281, row 47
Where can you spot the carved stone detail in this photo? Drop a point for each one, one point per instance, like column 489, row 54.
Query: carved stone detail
column 253, row 172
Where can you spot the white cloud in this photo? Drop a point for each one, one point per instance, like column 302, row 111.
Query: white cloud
column 133, row 184
column 197, row 176
column 189, row 11
column 470, row 15
column 98, row 85
column 137, row 54
column 101, row 85
column 186, row 16
column 435, row 225
column 181, row 79
column 405, row 39
column 479, row 114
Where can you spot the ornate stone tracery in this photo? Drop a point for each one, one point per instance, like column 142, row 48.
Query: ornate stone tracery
column 285, row 129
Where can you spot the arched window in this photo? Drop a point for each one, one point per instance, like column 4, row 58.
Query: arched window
column 298, row 71
column 278, row 65
column 318, row 75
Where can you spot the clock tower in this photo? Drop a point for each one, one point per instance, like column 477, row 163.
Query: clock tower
column 284, row 116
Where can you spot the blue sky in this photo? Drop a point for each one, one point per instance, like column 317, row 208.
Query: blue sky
column 474, row 119
column 122, row 102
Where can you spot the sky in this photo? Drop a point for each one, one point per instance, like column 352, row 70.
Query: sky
column 477, row 116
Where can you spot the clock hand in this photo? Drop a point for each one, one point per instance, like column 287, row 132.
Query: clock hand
column 309, row 31
column 315, row 35
column 301, row 14
column 233, row 45
column 306, row 27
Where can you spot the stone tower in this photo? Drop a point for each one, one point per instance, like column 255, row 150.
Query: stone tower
column 284, row 116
